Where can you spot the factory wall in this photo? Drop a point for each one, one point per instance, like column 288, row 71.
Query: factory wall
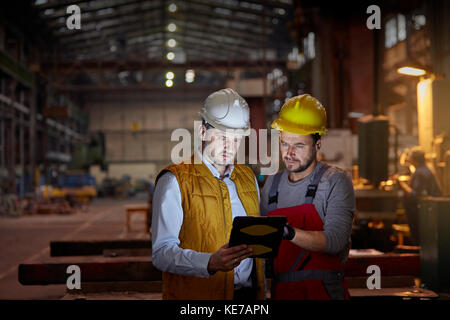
column 138, row 132
column 138, row 128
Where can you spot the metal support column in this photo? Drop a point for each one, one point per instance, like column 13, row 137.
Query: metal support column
column 2, row 143
column 32, row 139
column 2, row 129
column 22, row 148
column 12, row 187
column 264, row 45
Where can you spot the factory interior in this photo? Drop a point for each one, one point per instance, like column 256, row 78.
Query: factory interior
column 93, row 91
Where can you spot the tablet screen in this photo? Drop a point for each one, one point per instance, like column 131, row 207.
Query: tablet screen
column 262, row 234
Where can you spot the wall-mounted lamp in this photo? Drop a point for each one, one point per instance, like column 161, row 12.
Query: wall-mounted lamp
column 412, row 71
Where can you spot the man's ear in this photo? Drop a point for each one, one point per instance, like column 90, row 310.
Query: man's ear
column 318, row 144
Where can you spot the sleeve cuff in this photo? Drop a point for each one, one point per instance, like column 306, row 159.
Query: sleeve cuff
column 201, row 263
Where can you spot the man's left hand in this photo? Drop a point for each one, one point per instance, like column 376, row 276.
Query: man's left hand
column 289, row 232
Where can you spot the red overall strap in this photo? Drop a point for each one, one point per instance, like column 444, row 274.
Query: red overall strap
column 312, row 187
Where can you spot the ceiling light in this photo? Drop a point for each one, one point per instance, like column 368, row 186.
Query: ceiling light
column 170, row 56
column 172, row 7
column 170, row 75
column 171, row 43
column 172, row 27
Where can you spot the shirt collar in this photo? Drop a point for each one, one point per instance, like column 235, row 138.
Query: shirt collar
column 214, row 171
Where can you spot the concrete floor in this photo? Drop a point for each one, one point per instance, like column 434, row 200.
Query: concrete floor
column 27, row 238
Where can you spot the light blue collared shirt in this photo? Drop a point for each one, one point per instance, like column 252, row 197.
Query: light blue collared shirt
column 167, row 220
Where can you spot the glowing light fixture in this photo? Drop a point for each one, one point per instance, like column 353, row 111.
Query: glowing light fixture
column 190, row 76
column 169, row 83
column 411, row 71
column 172, row 27
column 172, row 7
column 170, row 75
column 170, row 56
column 171, row 43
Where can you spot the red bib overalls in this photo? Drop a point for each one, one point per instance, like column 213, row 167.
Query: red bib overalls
column 300, row 274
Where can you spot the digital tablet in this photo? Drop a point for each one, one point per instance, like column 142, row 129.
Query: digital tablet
column 262, row 234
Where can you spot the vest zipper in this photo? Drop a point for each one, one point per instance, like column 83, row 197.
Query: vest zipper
column 223, row 211
column 225, row 228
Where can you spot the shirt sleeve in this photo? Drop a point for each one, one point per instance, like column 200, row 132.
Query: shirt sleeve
column 167, row 219
column 263, row 203
column 339, row 213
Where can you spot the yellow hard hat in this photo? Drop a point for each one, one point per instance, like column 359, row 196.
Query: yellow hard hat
column 303, row 115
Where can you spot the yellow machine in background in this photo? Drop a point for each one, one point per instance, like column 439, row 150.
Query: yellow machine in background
column 83, row 194
column 80, row 187
column 50, row 192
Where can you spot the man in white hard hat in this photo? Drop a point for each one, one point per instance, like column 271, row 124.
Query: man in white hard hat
column 193, row 208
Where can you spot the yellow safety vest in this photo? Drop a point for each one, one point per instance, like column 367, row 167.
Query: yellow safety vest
column 207, row 222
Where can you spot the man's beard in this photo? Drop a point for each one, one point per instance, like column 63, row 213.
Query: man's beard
column 306, row 165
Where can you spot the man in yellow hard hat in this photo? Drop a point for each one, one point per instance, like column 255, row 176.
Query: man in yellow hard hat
column 193, row 208
column 318, row 201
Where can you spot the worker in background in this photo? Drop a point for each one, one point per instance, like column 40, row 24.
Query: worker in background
column 421, row 184
column 194, row 206
column 319, row 203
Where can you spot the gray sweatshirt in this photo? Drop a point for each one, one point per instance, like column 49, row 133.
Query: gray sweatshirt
column 334, row 202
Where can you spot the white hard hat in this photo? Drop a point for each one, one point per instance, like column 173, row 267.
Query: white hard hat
column 227, row 110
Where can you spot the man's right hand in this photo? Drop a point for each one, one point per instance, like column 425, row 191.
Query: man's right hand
column 227, row 258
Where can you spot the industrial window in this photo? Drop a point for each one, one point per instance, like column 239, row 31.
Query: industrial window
column 309, row 49
column 296, row 57
column 395, row 30
column 401, row 27
column 391, row 33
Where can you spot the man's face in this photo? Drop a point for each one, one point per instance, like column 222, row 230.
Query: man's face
column 297, row 151
column 220, row 147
